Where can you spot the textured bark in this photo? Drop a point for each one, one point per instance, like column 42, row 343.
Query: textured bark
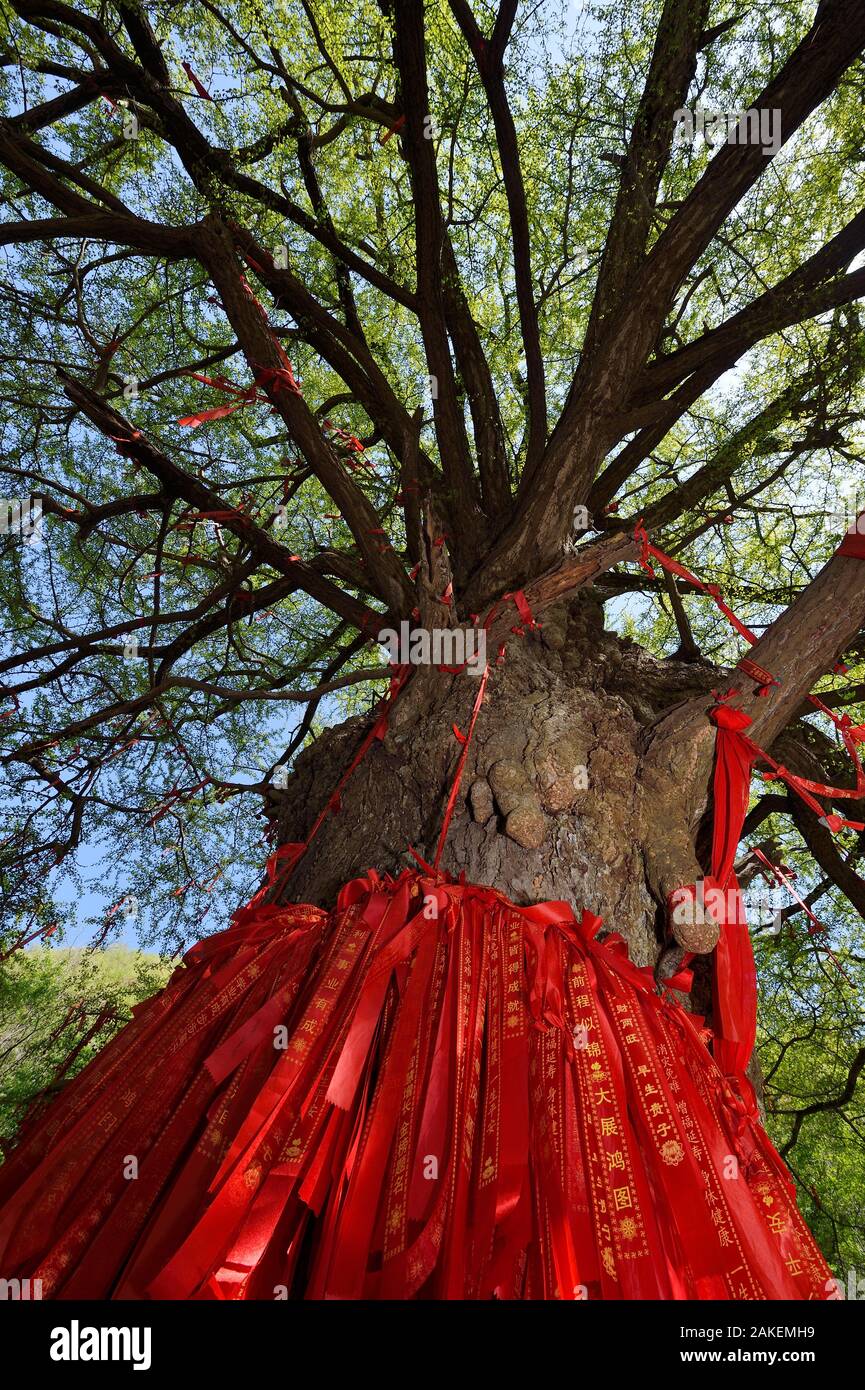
column 803, row 643
column 550, row 802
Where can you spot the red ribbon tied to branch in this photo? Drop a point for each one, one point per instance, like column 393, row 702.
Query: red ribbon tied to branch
column 274, row 381
column 851, row 734
column 196, row 81
column 784, row 878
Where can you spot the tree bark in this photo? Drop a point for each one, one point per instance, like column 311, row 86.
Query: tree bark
column 548, row 803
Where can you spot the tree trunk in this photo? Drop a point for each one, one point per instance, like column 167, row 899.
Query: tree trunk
column 551, row 803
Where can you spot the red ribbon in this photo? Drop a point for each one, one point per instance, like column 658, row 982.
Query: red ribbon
column 785, row 879
column 850, row 734
column 24, row 941
column 196, row 81
column 274, row 380
column 449, row 809
column 392, row 130
column 522, row 606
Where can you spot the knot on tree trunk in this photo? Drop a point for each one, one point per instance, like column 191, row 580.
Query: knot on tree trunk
column 548, row 807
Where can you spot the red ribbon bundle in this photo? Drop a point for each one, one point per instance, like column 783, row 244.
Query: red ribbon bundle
column 734, row 976
column 579, row 1130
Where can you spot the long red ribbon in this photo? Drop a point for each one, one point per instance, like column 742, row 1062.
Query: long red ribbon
column 449, row 809
column 734, row 977
column 272, row 379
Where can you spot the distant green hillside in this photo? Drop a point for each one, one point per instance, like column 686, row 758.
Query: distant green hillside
column 49, row 1001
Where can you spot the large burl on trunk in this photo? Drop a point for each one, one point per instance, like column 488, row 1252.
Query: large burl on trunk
column 551, row 802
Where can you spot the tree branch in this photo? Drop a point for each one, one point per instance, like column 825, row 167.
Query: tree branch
column 488, row 58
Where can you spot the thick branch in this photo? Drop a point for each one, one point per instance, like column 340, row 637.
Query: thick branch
column 488, row 59
column 588, row 425
column 382, row 564
column 429, row 235
column 807, row 291
column 803, row 643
